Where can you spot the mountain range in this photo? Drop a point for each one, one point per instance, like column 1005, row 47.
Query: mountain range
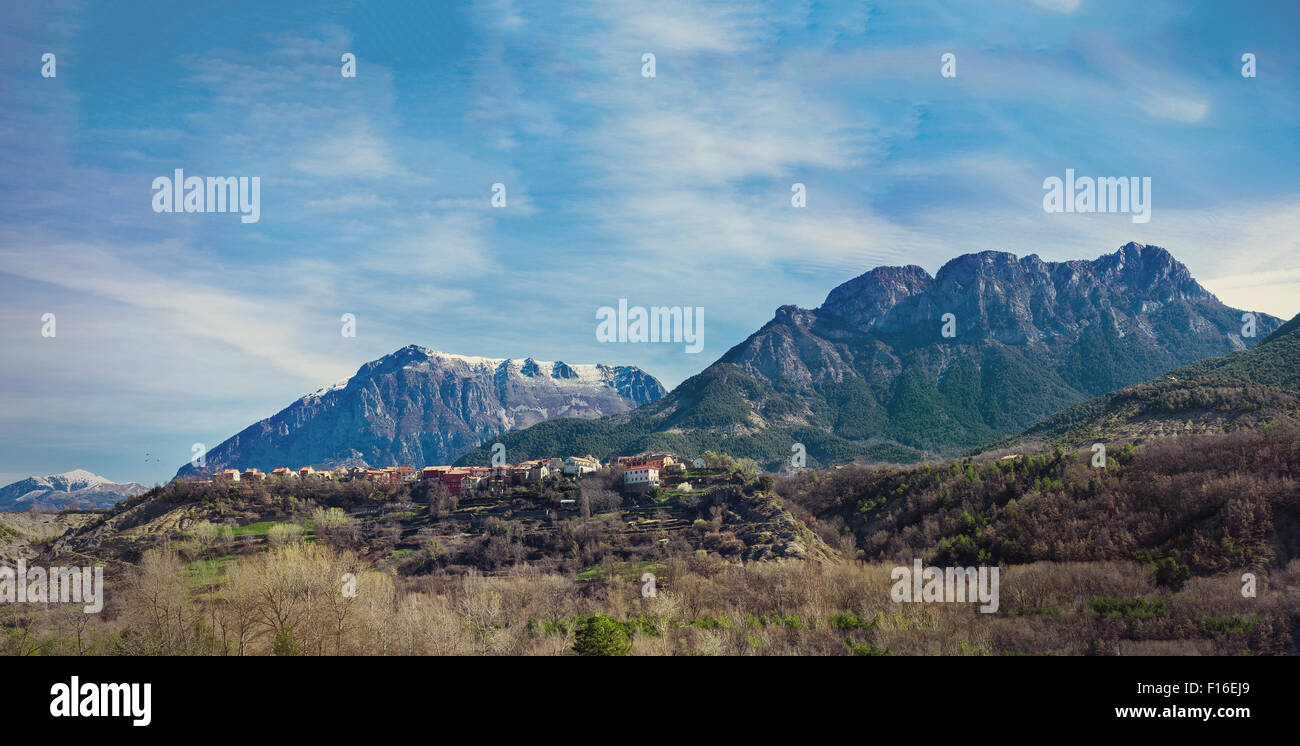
column 900, row 366
column 419, row 407
column 57, row 491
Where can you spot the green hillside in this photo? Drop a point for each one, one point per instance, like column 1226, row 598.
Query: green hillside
column 1243, row 389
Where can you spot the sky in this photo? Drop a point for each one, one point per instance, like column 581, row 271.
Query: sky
column 673, row 190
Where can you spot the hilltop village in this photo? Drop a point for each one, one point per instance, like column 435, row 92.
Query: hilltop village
column 640, row 473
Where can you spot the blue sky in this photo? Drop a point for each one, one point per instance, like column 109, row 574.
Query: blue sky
column 674, row 190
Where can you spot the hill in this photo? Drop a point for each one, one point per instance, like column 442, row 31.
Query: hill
column 1244, row 389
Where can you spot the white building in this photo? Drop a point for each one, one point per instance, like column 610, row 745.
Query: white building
column 641, row 479
column 579, row 465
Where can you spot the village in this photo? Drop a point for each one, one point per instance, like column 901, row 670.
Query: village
column 640, row 473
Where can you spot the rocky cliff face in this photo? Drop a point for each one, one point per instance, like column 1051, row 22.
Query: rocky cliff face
column 872, row 373
column 1070, row 316
column 420, row 407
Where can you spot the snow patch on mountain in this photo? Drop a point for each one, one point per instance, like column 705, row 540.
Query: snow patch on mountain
column 56, row 491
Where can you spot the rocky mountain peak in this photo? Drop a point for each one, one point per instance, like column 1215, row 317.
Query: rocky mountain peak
column 865, row 299
column 1151, row 272
column 968, row 267
column 418, row 406
column 795, row 316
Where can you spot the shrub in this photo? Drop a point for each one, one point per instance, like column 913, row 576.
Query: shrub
column 285, row 644
column 847, row 621
column 864, row 648
column 284, row 533
column 1233, row 625
column 601, row 635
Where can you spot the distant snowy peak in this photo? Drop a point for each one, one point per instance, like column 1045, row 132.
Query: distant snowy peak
column 424, row 359
column 531, row 367
column 68, row 481
column 54, row 491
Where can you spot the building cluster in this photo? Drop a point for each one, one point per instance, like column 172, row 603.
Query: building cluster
column 640, row 473
column 390, row 475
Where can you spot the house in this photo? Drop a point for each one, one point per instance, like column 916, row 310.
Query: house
column 458, row 479
column 577, row 465
column 640, row 479
column 307, row 471
column 455, row 479
column 406, row 473
column 662, row 458
column 515, row 474
column 431, row 474
column 658, row 461
column 226, row 475
column 252, row 475
column 530, row 472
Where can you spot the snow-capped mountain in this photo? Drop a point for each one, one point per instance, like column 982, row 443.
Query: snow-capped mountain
column 57, row 491
column 420, row 407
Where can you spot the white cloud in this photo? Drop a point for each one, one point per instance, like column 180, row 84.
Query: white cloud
column 358, row 155
column 1186, row 110
column 254, row 323
column 680, row 27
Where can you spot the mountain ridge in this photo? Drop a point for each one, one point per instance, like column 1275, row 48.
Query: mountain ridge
column 418, row 406
column 872, row 373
